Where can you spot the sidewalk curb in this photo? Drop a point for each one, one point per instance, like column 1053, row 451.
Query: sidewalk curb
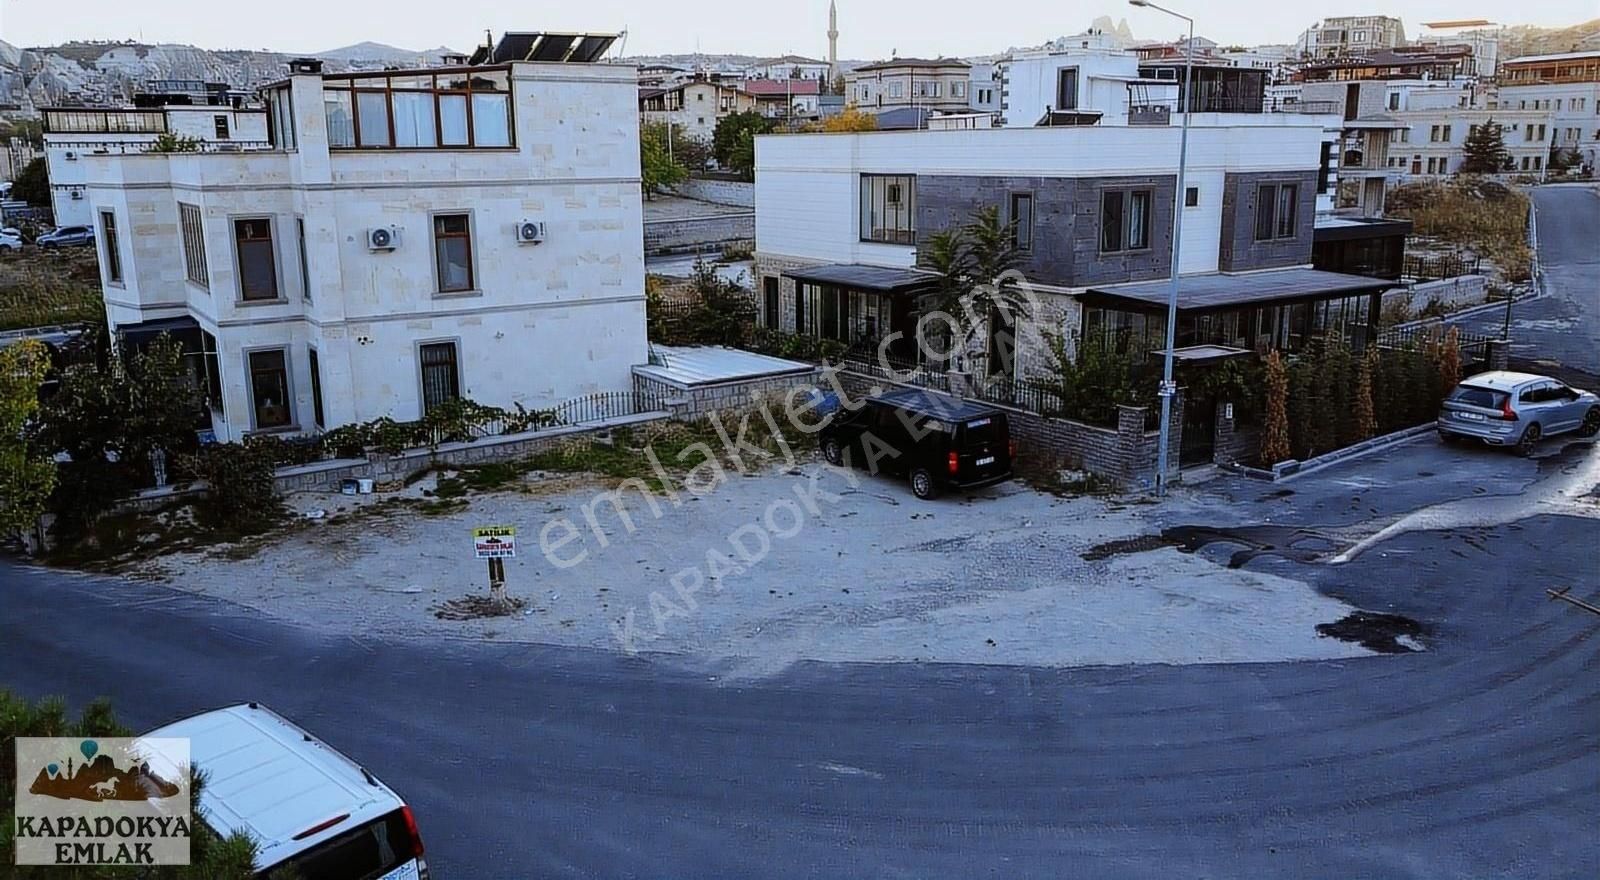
column 1284, row 471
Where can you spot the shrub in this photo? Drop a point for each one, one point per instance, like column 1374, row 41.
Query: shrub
column 241, row 498
column 1275, row 417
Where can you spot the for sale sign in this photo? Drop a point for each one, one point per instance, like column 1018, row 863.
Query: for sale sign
column 495, row 542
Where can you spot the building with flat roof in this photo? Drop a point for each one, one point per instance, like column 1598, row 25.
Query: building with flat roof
column 398, row 240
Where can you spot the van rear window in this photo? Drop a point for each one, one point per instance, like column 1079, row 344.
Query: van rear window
column 370, row 851
column 989, row 429
column 1472, row 395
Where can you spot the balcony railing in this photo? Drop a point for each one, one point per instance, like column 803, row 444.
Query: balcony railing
column 123, row 148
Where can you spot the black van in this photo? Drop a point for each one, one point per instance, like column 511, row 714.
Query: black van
column 936, row 441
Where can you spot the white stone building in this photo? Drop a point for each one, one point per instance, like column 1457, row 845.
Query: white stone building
column 73, row 133
column 407, row 237
column 1343, row 35
column 1567, row 86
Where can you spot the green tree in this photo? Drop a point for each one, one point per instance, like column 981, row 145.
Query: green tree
column 1366, row 422
column 167, row 142
column 978, row 283
column 108, row 422
column 658, row 168
column 211, row 856
column 29, row 131
column 1275, row 419
column 32, row 184
column 27, row 475
column 1485, row 149
column 734, row 142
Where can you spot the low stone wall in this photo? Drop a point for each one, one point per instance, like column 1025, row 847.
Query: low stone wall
column 698, row 233
column 329, row 476
column 1126, row 454
column 689, row 402
column 1234, row 443
column 737, row 193
column 1453, row 293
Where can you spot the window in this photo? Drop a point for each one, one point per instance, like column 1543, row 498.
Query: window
column 441, row 380
column 452, row 248
column 1394, row 100
column 305, row 267
column 1191, row 194
column 419, row 111
column 194, row 244
column 258, row 270
column 269, row 389
column 1067, row 88
column 1124, row 220
column 769, row 310
column 108, row 236
column 220, row 123
column 1277, row 211
column 888, row 208
column 1022, row 220
column 280, row 119
column 894, row 90
column 958, row 90
column 316, row 390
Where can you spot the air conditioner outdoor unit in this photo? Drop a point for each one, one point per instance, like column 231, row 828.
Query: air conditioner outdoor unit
column 530, row 232
column 77, row 195
column 383, row 238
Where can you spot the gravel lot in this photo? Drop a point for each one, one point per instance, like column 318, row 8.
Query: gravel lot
column 768, row 569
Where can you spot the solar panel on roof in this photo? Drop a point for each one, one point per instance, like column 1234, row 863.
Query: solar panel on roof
column 515, row 46
column 552, row 47
column 591, row 47
column 547, row 48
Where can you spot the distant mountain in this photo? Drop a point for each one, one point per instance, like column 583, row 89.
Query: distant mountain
column 384, row 53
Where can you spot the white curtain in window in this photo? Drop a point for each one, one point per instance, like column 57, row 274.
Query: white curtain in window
column 453, row 120
column 341, row 126
column 491, row 121
column 373, row 112
column 413, row 119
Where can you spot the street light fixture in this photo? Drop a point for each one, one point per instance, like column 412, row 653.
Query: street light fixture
column 1168, row 388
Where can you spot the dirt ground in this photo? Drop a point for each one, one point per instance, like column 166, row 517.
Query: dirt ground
column 803, row 563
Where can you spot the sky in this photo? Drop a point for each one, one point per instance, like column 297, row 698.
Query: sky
column 869, row 29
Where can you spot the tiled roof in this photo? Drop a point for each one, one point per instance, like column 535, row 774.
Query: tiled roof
column 773, row 88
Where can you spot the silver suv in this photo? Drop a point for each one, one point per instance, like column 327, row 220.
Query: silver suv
column 1516, row 409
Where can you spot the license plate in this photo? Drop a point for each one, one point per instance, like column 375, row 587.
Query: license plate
column 1474, row 417
column 983, row 461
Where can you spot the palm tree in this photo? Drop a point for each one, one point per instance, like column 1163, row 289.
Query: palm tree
column 978, row 287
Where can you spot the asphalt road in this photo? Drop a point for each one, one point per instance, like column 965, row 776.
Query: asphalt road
column 1562, row 327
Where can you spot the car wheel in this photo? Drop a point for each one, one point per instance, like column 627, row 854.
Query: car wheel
column 833, row 452
column 1591, row 423
column 923, row 485
column 1528, row 440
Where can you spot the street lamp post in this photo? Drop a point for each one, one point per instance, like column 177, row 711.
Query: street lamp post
column 1168, row 388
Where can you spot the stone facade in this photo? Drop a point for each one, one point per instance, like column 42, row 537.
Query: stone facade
column 735, row 193
column 690, row 402
column 1239, row 250
column 772, row 266
column 1066, row 223
column 698, row 233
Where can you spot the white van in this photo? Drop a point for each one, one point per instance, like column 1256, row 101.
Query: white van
column 306, row 805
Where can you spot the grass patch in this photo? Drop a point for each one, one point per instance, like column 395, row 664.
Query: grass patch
column 42, row 287
column 1488, row 217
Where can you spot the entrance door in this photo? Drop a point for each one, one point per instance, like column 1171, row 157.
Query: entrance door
column 1199, row 430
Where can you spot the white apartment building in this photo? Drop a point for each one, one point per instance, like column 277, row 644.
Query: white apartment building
column 1345, row 35
column 405, row 238
column 1567, row 86
column 1079, row 81
column 788, row 67
column 693, row 107
column 935, row 85
column 841, row 219
column 73, row 133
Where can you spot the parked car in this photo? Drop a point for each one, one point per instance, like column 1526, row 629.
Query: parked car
column 937, row 442
column 1516, row 410
column 10, row 240
column 66, row 236
column 309, row 808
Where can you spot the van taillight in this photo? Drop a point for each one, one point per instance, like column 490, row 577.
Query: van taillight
column 955, row 464
column 411, row 830
column 1506, row 413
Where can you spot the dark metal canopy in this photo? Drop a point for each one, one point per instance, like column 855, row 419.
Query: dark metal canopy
column 876, row 279
column 1357, row 228
column 1219, row 291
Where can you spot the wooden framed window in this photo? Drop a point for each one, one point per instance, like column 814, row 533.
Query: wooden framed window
column 452, row 248
column 269, row 389
column 453, row 109
column 441, row 374
column 258, row 268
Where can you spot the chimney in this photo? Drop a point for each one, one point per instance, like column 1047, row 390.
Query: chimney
column 299, row 66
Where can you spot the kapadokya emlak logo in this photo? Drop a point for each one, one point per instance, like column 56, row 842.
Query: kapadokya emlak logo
column 98, row 778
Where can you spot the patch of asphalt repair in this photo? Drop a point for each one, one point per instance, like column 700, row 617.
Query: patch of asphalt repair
column 1383, row 633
